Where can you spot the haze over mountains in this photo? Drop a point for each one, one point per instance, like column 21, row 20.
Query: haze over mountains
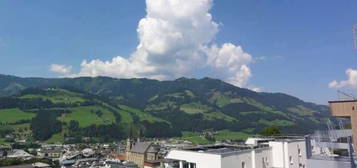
column 110, row 108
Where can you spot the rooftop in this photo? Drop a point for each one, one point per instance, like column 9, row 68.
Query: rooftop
column 224, row 149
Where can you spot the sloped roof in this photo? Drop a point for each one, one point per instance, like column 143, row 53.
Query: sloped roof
column 18, row 153
column 153, row 149
column 141, row 147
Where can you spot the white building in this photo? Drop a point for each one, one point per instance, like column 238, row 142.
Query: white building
column 288, row 153
column 18, row 153
column 256, row 153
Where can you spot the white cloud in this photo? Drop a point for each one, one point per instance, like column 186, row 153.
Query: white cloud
column 351, row 82
column 256, row 89
column 61, row 69
column 175, row 39
column 231, row 62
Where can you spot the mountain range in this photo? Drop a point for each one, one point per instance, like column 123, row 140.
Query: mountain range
column 104, row 108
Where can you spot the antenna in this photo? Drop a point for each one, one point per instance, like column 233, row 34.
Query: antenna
column 354, row 33
column 345, row 96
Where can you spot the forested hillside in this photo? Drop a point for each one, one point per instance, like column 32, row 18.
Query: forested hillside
column 68, row 109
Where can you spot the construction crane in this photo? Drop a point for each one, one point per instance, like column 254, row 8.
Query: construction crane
column 354, row 31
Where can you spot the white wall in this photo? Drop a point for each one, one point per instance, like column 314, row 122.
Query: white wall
column 261, row 154
column 277, row 156
column 235, row 161
column 293, row 148
column 251, row 158
column 283, row 150
column 278, row 150
column 202, row 160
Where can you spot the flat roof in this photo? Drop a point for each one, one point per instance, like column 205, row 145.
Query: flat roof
column 223, row 149
column 342, row 101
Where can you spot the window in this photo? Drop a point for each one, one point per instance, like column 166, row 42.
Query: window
column 266, row 161
column 291, row 160
column 353, row 107
column 192, row 165
column 299, row 152
column 243, row 164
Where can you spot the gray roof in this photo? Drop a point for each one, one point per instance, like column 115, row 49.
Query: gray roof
column 141, row 147
column 18, row 153
column 153, row 149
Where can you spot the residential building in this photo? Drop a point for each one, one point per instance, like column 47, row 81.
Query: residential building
column 50, row 153
column 277, row 152
column 18, row 153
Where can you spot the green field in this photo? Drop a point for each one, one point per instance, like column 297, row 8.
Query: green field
column 218, row 115
column 14, row 115
column 2, row 141
column 231, row 135
column 276, row 122
column 193, row 108
column 160, row 106
column 301, row 110
column 56, row 138
column 57, row 96
column 194, row 138
column 221, row 135
column 142, row 116
column 56, row 99
column 86, row 116
column 20, row 126
column 220, row 99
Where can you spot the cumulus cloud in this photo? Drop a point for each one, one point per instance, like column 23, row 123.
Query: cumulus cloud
column 231, row 62
column 175, row 39
column 61, row 69
column 351, row 82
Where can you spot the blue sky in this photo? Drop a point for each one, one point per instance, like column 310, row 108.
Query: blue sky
column 299, row 46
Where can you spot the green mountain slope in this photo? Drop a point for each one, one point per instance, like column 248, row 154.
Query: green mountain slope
column 181, row 105
column 57, row 115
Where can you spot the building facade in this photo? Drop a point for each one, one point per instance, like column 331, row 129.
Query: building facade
column 257, row 153
column 140, row 152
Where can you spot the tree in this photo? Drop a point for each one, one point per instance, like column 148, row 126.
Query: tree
column 271, row 131
column 73, row 125
column 44, row 125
